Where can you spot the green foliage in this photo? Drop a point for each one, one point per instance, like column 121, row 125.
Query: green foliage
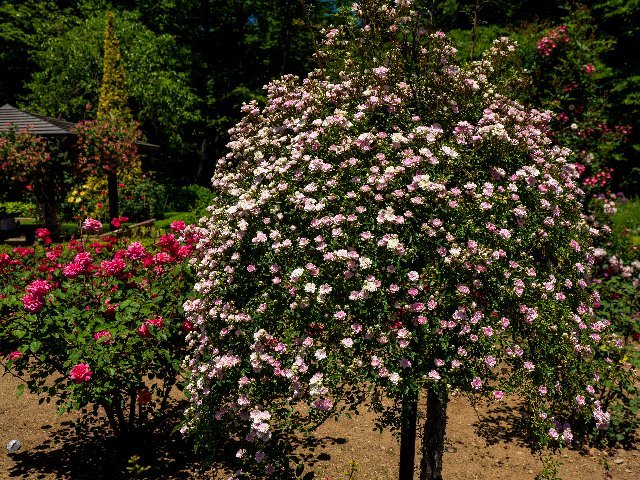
column 191, row 198
column 569, row 77
column 40, row 167
column 188, row 197
column 70, row 71
column 485, row 36
column 549, row 469
column 142, row 199
column 626, row 227
column 617, row 19
column 24, row 26
column 17, row 209
column 135, row 468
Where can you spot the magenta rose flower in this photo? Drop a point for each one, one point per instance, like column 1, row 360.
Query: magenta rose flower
column 178, row 226
column 81, row 373
column 104, row 334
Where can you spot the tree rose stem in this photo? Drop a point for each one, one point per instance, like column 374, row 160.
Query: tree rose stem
column 433, row 436
column 408, row 435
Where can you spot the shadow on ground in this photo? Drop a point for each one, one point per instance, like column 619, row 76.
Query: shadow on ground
column 89, row 451
column 503, row 424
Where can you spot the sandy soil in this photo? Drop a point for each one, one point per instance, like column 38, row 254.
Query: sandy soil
column 480, row 445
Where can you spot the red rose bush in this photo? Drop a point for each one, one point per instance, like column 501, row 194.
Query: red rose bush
column 95, row 323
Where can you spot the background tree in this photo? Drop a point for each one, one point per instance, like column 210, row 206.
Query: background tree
column 68, row 83
column 113, row 100
column 112, row 104
column 24, row 27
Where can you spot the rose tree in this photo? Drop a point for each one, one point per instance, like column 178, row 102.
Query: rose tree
column 389, row 227
column 27, row 160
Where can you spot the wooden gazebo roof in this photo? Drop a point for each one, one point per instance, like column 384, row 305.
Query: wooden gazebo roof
column 12, row 117
column 38, row 124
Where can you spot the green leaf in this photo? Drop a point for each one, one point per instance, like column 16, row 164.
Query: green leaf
column 20, row 390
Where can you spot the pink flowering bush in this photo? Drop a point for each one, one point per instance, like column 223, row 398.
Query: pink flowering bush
column 98, row 324
column 106, row 145
column 617, row 283
column 569, row 77
column 387, row 226
column 23, row 156
column 40, row 167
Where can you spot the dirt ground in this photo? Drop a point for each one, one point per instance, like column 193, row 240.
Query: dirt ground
column 480, row 445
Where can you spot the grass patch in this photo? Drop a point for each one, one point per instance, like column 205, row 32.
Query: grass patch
column 626, row 221
column 170, row 217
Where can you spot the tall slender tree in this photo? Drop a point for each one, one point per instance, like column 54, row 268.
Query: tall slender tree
column 113, row 96
column 113, row 91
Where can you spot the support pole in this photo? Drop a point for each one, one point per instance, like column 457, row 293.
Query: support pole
column 112, row 181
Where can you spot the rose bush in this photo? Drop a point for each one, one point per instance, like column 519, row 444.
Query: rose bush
column 37, row 165
column 568, row 75
column 106, row 145
column 570, row 78
column 98, row 323
column 387, row 226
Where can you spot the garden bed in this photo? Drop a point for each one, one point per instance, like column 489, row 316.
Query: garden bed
column 491, row 448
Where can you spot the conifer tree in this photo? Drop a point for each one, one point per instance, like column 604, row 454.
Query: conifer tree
column 113, row 95
column 113, row 91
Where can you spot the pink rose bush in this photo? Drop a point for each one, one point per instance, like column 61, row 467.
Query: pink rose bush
column 389, row 225
column 573, row 81
column 105, row 317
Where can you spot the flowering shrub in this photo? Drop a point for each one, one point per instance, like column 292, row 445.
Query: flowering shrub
column 106, row 145
column 569, row 78
column 617, row 282
column 388, row 225
column 23, row 156
column 98, row 324
column 27, row 161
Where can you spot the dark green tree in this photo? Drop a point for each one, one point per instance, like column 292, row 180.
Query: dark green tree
column 24, row 26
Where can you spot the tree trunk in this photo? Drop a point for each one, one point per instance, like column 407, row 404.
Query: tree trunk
column 112, row 419
column 408, row 436
column 433, row 436
column 132, row 410
column 112, row 180
column 117, row 408
column 50, row 216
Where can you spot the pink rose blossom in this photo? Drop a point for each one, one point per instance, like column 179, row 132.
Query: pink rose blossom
column 92, row 226
column 81, row 373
